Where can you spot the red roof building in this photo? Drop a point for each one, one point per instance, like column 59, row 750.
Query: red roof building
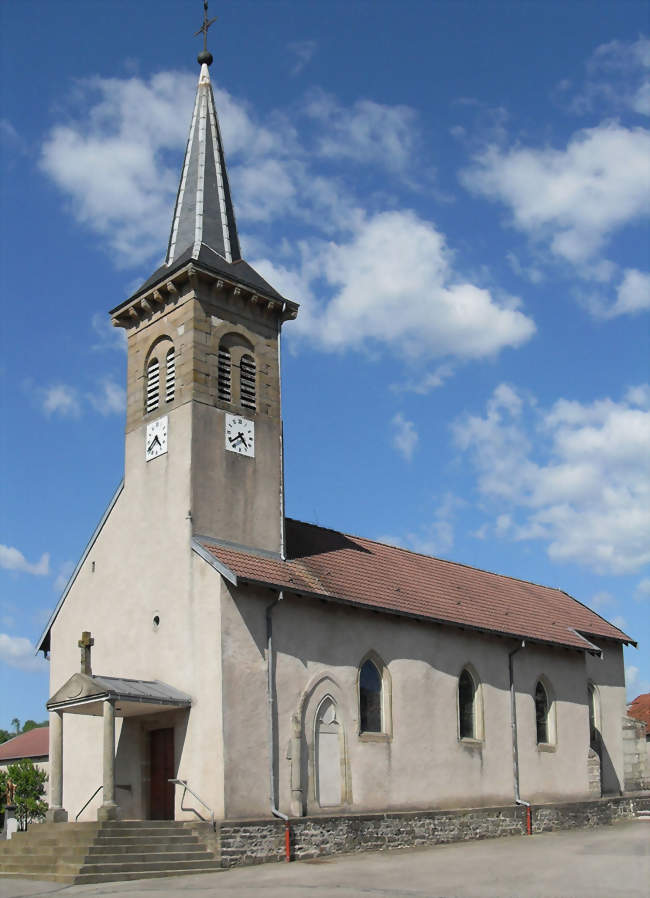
column 640, row 709
column 33, row 744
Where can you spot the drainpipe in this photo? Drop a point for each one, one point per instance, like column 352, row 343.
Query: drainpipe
column 271, row 719
column 515, row 746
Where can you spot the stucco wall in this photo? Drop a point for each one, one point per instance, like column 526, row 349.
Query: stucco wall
column 423, row 763
column 142, row 565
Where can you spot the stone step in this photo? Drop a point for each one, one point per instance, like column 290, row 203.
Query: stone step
column 90, row 878
column 41, row 861
column 113, row 846
column 209, row 863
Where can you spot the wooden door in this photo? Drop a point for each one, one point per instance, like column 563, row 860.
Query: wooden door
column 161, row 766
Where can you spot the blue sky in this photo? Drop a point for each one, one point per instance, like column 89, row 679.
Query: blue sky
column 456, row 193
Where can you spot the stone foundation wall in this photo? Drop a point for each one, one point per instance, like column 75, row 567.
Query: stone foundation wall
column 259, row 841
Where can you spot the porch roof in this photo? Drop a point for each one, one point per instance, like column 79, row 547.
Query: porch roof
column 85, row 694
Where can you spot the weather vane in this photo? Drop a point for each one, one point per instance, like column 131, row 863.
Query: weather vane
column 205, row 56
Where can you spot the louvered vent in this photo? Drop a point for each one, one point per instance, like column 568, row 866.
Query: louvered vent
column 224, row 381
column 170, row 378
column 153, row 386
column 247, row 381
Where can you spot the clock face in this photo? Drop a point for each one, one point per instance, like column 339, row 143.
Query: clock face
column 155, row 443
column 240, row 435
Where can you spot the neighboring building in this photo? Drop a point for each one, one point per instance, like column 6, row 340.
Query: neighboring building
column 254, row 656
column 34, row 744
column 636, row 743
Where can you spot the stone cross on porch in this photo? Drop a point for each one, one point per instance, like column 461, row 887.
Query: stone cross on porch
column 85, row 644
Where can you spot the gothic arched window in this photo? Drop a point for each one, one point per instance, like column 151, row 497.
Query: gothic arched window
column 152, row 397
column 170, row 375
column 247, row 373
column 542, row 708
column 370, row 698
column 467, row 717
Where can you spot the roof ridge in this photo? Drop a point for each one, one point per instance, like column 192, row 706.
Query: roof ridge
column 463, row 564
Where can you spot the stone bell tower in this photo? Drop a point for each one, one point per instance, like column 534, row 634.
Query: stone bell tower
column 204, row 426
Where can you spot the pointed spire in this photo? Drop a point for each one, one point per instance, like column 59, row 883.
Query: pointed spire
column 204, row 213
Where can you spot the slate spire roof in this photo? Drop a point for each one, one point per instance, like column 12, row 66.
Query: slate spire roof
column 203, row 228
column 204, row 212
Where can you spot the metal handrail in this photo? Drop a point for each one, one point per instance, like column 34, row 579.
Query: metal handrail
column 98, row 789
column 186, row 788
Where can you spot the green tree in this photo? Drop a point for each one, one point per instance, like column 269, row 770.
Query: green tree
column 4, row 736
column 16, row 723
column 29, row 790
column 30, row 725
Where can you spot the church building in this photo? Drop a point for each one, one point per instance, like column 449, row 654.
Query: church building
column 239, row 664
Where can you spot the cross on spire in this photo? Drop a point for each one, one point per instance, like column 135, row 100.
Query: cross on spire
column 205, row 56
column 85, row 644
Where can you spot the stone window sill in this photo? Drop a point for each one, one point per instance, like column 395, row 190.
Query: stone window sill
column 375, row 737
column 546, row 746
column 470, row 743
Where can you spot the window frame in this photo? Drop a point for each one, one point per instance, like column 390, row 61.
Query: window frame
column 385, row 734
column 478, row 735
column 551, row 732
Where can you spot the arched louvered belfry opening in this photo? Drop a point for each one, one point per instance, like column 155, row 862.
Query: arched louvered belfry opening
column 224, row 374
column 152, row 391
column 170, row 375
column 247, row 381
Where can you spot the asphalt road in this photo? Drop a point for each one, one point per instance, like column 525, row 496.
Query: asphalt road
column 608, row 862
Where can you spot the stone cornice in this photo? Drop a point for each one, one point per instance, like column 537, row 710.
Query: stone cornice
column 166, row 293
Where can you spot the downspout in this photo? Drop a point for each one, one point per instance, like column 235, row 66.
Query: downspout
column 271, row 722
column 515, row 745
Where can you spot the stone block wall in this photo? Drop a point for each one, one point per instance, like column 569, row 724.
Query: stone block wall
column 257, row 842
column 635, row 756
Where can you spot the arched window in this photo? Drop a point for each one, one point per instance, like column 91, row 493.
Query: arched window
column 170, row 375
column 467, row 706
column 223, row 375
column 370, row 698
column 542, row 708
column 247, row 381
column 152, row 399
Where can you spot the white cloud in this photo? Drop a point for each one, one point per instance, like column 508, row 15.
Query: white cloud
column 633, row 293
column 602, row 599
column 573, row 199
column 60, row 399
column 364, row 132
column 109, row 399
column 394, row 285
column 642, row 590
column 16, row 651
column 303, row 51
column 437, row 537
column 108, row 336
column 12, row 559
column 65, row 570
column 426, row 382
column 404, row 437
column 634, row 685
column 576, row 476
column 618, row 76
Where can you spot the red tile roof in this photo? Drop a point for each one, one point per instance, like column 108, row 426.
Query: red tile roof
column 640, row 709
column 32, row 744
column 332, row 565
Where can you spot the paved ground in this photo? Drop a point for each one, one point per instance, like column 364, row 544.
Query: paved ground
column 608, row 862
